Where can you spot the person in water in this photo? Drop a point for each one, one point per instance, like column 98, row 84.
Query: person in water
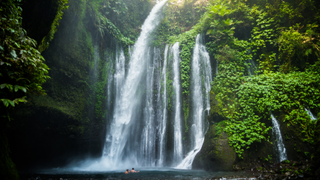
column 133, row 171
column 127, row 171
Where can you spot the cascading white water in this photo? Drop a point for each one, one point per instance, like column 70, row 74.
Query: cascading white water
column 177, row 150
column 251, row 66
column 310, row 114
column 119, row 75
column 201, row 68
column 118, row 80
column 162, row 128
column 127, row 106
column 137, row 133
column 277, row 133
column 148, row 148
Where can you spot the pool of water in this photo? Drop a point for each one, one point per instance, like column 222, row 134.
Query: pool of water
column 146, row 174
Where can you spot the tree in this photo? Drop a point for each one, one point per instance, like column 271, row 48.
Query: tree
column 22, row 66
column 22, row 71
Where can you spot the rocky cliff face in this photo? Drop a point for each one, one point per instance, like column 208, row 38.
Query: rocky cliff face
column 216, row 154
column 67, row 123
column 53, row 127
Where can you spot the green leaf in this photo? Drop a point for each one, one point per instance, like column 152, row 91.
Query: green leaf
column 11, row 102
column 16, row 88
column 5, row 102
column 23, row 89
column 2, row 86
column 13, row 54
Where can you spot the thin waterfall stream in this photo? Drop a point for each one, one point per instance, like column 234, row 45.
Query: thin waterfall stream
column 201, row 70
column 279, row 141
column 177, row 152
column 162, row 127
column 313, row 117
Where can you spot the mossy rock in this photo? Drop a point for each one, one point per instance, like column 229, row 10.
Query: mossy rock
column 216, row 153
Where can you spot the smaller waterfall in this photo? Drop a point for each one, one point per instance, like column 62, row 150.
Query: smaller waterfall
column 277, row 133
column 151, row 112
column 162, row 129
column 110, row 82
column 201, row 78
column 313, row 117
column 251, row 65
column 177, row 152
column 118, row 80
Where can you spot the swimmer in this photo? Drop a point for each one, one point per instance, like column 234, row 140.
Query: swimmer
column 127, row 172
column 133, row 171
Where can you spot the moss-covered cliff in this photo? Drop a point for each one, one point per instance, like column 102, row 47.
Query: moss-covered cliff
column 70, row 120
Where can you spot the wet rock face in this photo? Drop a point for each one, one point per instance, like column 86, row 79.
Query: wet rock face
column 216, row 153
column 48, row 138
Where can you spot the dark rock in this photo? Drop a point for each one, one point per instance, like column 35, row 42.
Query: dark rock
column 216, row 153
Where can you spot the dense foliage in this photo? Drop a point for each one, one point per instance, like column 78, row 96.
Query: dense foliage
column 22, row 72
column 121, row 18
column 22, row 66
column 284, row 47
column 268, row 58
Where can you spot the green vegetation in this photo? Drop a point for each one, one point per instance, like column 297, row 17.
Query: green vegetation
column 102, row 23
column 22, row 66
column 121, row 19
column 62, row 5
column 283, row 39
column 22, row 72
column 246, row 102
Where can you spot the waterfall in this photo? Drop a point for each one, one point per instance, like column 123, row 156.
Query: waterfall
column 177, row 151
column 163, row 123
column 251, row 66
column 277, row 133
column 118, row 80
column 201, row 72
column 310, row 114
column 122, row 141
column 151, row 111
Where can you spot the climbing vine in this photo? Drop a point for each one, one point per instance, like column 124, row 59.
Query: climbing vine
column 62, row 5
